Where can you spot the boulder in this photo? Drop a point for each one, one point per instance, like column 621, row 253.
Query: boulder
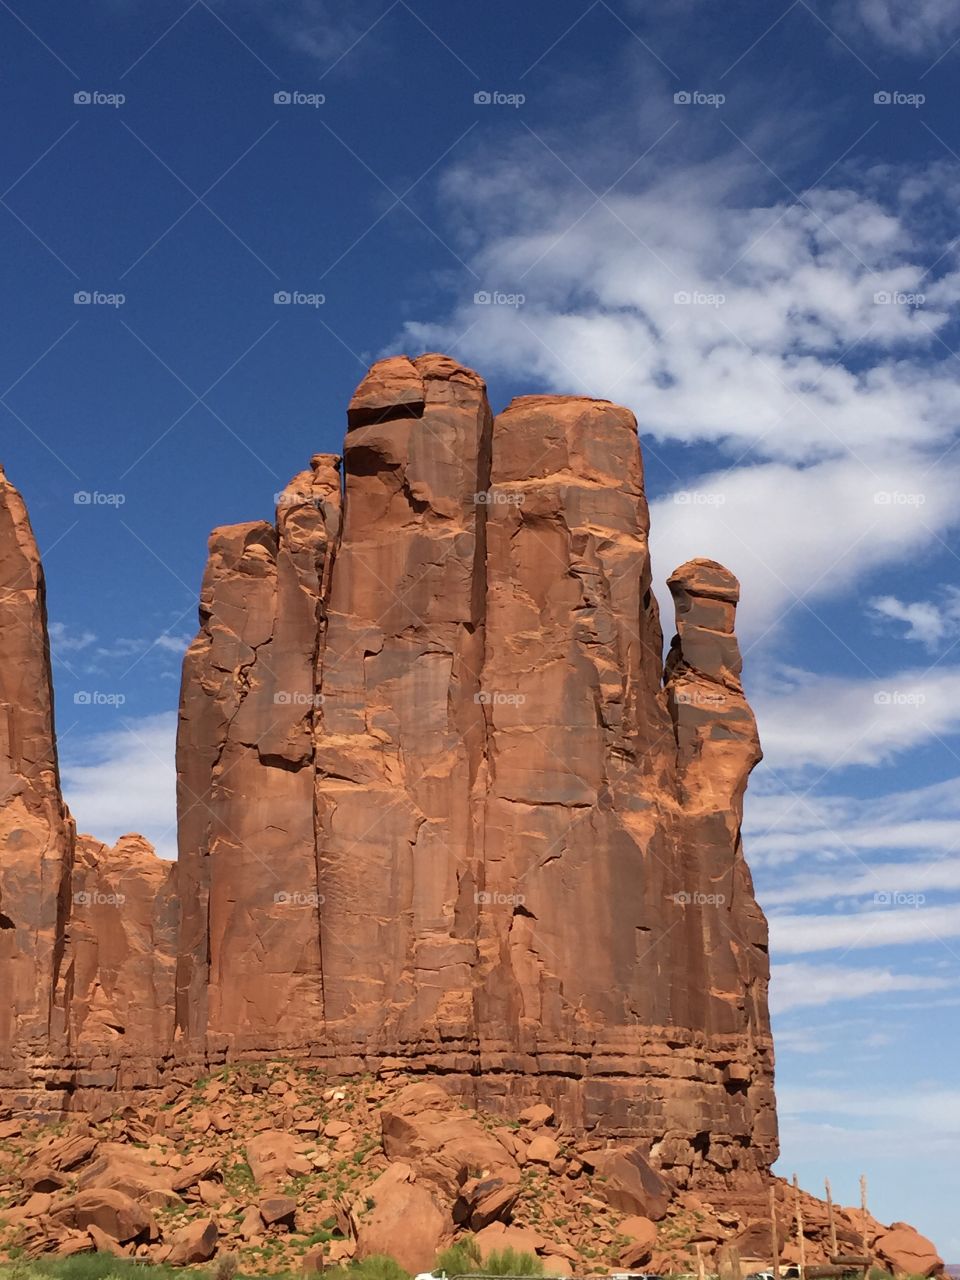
column 269, row 1155
column 497, row 1237
column 543, row 1150
column 537, row 1115
column 196, row 1242
column 626, row 1181
column 278, row 1211
column 405, row 1221
column 642, row 1235
column 113, row 1212
column 907, row 1252
column 425, row 1127
column 486, row 1200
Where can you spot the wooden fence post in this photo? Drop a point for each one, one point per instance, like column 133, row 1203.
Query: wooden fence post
column 832, row 1220
column 774, row 1238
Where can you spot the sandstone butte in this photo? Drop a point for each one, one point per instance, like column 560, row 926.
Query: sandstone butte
column 443, row 809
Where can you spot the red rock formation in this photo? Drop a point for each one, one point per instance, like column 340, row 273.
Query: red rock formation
column 438, row 808
column 120, row 947
column 36, row 832
column 249, row 962
column 87, row 933
column 400, row 741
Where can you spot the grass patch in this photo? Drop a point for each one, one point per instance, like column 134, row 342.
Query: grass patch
column 460, row 1259
column 511, row 1262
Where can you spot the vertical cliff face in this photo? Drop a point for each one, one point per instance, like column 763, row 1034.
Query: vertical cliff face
column 249, row 963
column 400, row 738
column 441, row 806
column 36, row 833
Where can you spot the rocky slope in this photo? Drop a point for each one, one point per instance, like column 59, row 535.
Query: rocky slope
column 272, row 1163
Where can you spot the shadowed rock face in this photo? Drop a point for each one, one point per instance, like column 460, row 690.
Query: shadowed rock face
column 441, row 805
column 36, row 834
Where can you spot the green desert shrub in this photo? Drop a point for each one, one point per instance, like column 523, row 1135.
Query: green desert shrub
column 460, row 1259
column 511, row 1262
column 378, row 1267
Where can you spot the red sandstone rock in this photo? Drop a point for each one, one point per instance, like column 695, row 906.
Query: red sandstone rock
column 908, row 1252
column 121, row 945
column 36, row 832
column 196, row 1242
column 627, row 1182
column 405, row 1221
column 112, row 1211
column 423, row 1126
column 418, row 758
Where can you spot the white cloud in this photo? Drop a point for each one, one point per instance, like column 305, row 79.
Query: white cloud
column 787, row 350
column 879, row 926
column 928, row 622
column 857, row 879
column 322, row 29
column 124, row 780
column 794, row 535
column 64, row 639
column 173, row 644
column 835, row 721
column 909, row 26
column 798, row 984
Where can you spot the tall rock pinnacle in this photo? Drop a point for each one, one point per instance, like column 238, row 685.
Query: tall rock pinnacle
column 36, row 833
column 442, row 808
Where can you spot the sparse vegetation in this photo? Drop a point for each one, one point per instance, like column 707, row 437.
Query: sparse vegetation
column 378, row 1267
column 511, row 1262
column 459, row 1259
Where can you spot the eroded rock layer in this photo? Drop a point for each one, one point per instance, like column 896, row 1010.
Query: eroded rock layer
column 441, row 807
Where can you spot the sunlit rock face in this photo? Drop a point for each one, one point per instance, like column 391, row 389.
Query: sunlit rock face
column 441, row 806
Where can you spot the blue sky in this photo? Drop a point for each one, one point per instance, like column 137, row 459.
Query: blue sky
column 739, row 220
